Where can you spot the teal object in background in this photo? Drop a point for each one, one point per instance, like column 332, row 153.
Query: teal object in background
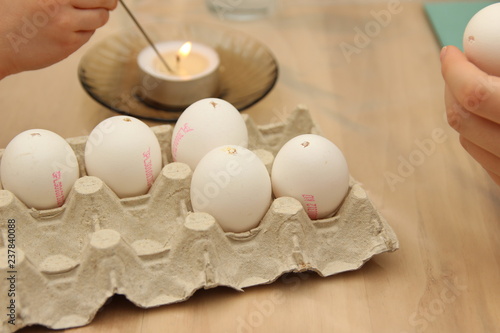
column 449, row 19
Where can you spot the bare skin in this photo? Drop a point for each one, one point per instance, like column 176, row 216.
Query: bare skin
column 38, row 33
column 472, row 100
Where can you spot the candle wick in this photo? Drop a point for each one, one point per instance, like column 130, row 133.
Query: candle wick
column 178, row 59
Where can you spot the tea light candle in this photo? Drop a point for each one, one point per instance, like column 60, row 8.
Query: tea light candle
column 193, row 76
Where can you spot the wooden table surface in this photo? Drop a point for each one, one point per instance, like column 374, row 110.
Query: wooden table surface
column 382, row 104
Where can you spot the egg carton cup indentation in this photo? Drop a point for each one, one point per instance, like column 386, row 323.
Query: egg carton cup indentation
column 71, row 259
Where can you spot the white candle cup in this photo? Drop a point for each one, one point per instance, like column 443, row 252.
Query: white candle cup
column 193, row 77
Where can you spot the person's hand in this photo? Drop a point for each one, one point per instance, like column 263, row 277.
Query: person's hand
column 37, row 33
column 472, row 101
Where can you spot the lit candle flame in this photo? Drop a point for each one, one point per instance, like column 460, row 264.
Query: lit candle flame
column 185, row 49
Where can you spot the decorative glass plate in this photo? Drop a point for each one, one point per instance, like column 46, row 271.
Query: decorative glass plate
column 110, row 74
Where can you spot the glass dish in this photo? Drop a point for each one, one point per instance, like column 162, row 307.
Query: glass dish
column 110, row 74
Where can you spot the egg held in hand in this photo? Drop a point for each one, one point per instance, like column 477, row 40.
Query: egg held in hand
column 233, row 185
column 39, row 167
column 313, row 170
column 125, row 154
column 481, row 40
column 205, row 125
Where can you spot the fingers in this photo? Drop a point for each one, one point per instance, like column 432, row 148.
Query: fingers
column 482, row 132
column 84, row 36
column 454, row 111
column 489, row 161
column 94, row 4
column 90, row 19
column 476, row 91
column 74, row 42
column 76, row 20
column 92, row 14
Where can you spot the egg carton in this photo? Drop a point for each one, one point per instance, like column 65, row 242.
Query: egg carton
column 154, row 250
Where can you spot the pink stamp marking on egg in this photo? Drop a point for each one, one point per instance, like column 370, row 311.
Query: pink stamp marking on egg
column 148, row 167
column 311, row 207
column 308, row 197
column 178, row 137
column 58, row 188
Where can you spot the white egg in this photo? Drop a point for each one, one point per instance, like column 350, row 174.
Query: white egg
column 233, row 185
column 39, row 167
column 313, row 170
column 125, row 154
column 205, row 125
column 481, row 39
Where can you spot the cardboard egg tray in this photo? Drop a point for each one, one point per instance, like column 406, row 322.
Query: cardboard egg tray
column 154, row 250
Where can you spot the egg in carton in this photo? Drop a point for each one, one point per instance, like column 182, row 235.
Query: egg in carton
column 70, row 260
